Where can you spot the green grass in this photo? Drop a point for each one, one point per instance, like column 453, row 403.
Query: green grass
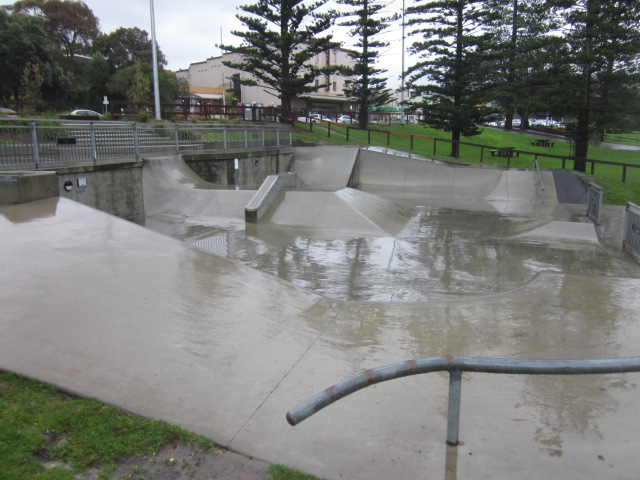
column 279, row 472
column 607, row 176
column 39, row 423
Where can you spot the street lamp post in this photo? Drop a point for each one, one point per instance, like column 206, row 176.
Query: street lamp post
column 154, row 53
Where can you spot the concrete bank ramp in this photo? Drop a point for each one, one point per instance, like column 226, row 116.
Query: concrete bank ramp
column 324, row 168
column 173, row 190
column 346, row 211
column 561, row 233
column 418, row 179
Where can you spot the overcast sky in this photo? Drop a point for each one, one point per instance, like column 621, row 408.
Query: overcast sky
column 188, row 31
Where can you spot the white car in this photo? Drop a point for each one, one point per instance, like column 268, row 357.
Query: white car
column 84, row 114
column 317, row 118
column 7, row 112
column 346, row 119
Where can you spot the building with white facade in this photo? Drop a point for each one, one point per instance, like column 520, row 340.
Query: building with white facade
column 329, row 100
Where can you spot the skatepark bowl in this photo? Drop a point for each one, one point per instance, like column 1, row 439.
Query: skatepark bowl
column 377, row 257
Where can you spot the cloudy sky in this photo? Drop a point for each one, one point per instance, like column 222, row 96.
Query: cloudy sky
column 188, row 31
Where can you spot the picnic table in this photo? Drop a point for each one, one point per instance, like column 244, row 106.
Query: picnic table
column 542, row 142
column 506, row 152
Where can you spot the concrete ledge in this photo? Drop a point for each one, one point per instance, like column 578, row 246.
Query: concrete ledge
column 27, row 186
column 267, row 193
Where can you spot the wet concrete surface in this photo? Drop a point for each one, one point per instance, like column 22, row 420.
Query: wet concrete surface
column 106, row 308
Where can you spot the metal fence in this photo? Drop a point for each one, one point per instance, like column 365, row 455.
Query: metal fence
column 31, row 143
column 455, row 366
column 631, row 239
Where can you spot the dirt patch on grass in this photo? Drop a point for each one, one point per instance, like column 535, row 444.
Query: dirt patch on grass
column 181, row 461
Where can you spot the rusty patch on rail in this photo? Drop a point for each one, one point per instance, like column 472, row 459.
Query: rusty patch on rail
column 370, row 376
column 411, row 365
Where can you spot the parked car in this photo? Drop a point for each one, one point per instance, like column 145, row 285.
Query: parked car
column 7, row 112
column 346, row 119
column 83, row 114
column 317, row 118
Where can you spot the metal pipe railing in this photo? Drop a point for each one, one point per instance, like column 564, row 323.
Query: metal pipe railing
column 455, row 366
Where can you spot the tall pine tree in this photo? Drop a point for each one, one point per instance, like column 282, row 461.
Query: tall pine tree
column 365, row 84
column 452, row 74
column 604, row 52
column 281, row 38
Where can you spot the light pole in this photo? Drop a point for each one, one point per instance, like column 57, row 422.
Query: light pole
column 154, row 55
column 402, row 77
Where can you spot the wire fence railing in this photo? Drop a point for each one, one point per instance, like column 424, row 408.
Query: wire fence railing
column 40, row 143
column 433, row 146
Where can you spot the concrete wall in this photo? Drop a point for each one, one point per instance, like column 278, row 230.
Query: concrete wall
column 27, row 186
column 115, row 188
column 253, row 166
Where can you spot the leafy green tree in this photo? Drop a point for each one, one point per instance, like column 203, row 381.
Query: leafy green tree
column 279, row 42
column 603, row 41
column 31, row 84
column 71, row 25
column 23, row 45
column 140, row 88
column 453, row 71
column 125, row 47
column 365, row 83
column 134, row 84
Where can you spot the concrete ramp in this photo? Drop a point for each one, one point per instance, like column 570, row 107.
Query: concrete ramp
column 562, row 233
column 346, row 211
column 324, row 168
column 418, row 179
column 173, row 190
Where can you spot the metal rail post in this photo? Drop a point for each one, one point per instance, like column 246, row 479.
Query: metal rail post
column 94, row 151
column 453, row 417
column 136, row 141
column 34, row 143
column 176, row 136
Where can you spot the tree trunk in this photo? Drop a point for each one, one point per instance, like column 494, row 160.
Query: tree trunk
column 455, row 143
column 582, row 141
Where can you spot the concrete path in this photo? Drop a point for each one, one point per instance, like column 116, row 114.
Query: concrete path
column 109, row 309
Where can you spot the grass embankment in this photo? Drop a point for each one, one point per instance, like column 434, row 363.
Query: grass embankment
column 607, row 176
column 40, row 425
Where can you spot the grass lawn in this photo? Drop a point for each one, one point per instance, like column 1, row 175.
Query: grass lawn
column 607, row 176
column 41, row 425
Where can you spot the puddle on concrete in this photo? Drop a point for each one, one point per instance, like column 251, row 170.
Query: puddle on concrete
column 440, row 253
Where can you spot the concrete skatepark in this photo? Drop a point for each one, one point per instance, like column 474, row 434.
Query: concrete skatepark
column 221, row 327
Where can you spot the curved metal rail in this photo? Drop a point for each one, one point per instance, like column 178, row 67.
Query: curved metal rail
column 455, row 366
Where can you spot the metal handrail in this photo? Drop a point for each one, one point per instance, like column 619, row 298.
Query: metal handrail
column 455, row 366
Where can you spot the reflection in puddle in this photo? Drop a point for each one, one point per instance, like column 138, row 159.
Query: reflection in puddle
column 441, row 252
